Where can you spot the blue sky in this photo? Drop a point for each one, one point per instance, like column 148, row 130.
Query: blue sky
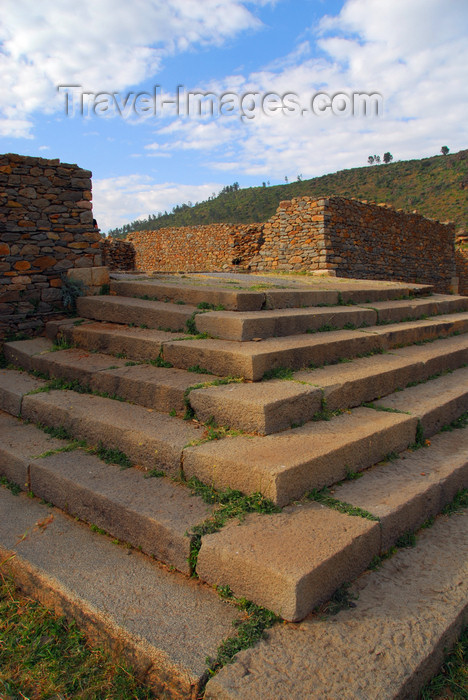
column 412, row 53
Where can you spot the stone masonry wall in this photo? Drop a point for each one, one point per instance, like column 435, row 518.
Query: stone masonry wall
column 118, row 254
column 370, row 241
column 294, row 238
column 46, row 228
column 195, row 248
column 461, row 259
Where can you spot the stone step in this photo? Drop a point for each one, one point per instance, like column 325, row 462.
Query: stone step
column 161, row 388
column 405, row 617
column 271, row 406
column 150, row 439
column 230, row 325
column 327, row 548
column 163, row 623
column 133, row 343
column 285, row 466
column 138, row 312
column 436, row 403
column 252, row 360
column 272, row 292
column 154, row 514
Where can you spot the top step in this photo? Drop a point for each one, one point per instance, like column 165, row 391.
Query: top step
column 240, row 292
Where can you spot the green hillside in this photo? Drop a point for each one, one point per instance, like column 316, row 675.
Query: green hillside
column 436, row 187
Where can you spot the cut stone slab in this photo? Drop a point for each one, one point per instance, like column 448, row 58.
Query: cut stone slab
column 153, row 514
column 449, row 353
column 74, row 364
column 252, row 359
column 18, row 444
column 291, row 561
column 132, row 343
column 387, row 647
column 264, row 407
column 369, row 378
column 406, row 492
column 150, row 439
column 397, row 311
column 152, row 314
column 285, row 466
column 237, row 300
column 161, row 388
column 436, row 402
column 13, row 386
column 164, row 624
column 20, row 352
column 231, row 325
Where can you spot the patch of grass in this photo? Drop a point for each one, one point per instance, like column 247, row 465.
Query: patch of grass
column 378, row 560
column 231, row 504
column 61, row 343
column 386, row 409
column 205, row 306
column 198, row 370
column 457, row 424
column 279, row 373
column 459, row 503
column 71, row 447
column 14, row 488
column 323, row 496
column 249, row 630
column 160, row 361
column 326, row 328
column 452, row 680
column 154, row 474
column 111, row 455
column 44, row 656
column 104, row 289
column 408, row 539
column 419, row 441
column 342, row 599
column 59, row 432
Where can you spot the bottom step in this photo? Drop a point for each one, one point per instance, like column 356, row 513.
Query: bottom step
column 386, row 647
column 164, row 624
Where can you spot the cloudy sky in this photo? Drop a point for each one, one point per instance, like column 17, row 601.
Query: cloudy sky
column 262, row 61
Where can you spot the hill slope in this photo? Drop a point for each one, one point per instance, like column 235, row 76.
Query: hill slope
column 436, row 187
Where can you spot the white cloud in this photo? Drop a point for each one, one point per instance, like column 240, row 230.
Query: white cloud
column 101, row 45
column 415, row 54
column 119, row 200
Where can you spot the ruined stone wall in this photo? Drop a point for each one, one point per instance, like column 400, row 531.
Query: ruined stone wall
column 118, row 254
column 370, row 241
column 46, row 228
column 294, row 238
column 196, row 248
column 461, row 260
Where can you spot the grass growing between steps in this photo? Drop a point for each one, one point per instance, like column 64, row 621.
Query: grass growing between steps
column 249, row 630
column 324, row 497
column 231, row 504
column 452, row 681
column 44, row 656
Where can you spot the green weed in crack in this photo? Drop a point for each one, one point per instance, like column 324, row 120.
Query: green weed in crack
column 230, row 504
column 323, row 496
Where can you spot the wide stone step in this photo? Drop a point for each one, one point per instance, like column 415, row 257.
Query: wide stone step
column 253, row 293
column 138, row 312
column 150, row 439
column 274, row 405
column 154, row 514
column 326, row 548
column 436, row 403
column 404, row 619
column 163, row 623
column 230, row 325
column 253, row 359
column 161, row 388
column 291, row 561
column 285, row 466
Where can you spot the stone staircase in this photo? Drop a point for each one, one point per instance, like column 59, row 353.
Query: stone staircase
column 284, row 392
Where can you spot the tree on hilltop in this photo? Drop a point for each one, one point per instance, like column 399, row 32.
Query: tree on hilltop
column 444, row 150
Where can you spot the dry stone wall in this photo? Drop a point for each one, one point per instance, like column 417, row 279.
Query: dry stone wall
column 118, row 254
column 461, row 259
column 46, row 228
column 196, row 248
column 370, row 241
